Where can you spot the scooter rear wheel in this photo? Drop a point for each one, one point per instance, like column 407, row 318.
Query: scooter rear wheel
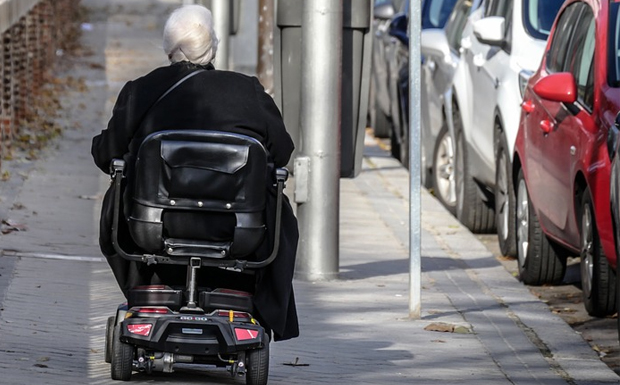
column 109, row 337
column 257, row 365
column 122, row 357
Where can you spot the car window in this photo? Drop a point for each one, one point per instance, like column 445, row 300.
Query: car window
column 614, row 45
column 539, row 15
column 435, row 13
column 457, row 21
column 561, row 37
column 582, row 66
column 498, row 8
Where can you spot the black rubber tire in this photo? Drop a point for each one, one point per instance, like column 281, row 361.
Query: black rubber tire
column 504, row 199
column 443, row 170
column 380, row 123
column 539, row 260
column 471, row 210
column 122, row 357
column 394, row 145
column 257, row 365
column 109, row 337
column 598, row 280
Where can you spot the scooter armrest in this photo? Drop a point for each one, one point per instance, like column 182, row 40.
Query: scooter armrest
column 282, row 174
column 116, row 166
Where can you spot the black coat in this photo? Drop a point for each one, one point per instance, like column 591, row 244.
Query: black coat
column 211, row 100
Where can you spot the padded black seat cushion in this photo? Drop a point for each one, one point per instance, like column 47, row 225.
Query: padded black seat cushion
column 202, row 188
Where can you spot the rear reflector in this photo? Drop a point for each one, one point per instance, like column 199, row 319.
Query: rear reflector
column 140, row 329
column 245, row 334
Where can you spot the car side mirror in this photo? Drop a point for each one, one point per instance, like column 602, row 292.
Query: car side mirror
column 557, row 87
column 490, row 30
column 384, row 11
column 433, row 42
column 398, row 28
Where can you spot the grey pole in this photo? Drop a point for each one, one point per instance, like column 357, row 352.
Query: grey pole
column 317, row 169
column 264, row 68
column 221, row 21
column 415, row 212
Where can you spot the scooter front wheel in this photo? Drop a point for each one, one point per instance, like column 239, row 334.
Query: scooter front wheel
column 122, row 357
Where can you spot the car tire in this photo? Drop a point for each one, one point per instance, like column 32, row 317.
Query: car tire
column 504, row 200
column 540, row 261
column 471, row 210
column 444, row 184
column 598, row 281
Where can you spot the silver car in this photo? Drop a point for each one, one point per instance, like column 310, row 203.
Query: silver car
column 441, row 50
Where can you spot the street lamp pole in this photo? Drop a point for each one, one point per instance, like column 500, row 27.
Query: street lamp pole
column 317, row 169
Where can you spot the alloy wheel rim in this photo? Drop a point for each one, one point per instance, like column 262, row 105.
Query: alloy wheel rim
column 522, row 215
column 446, row 185
column 587, row 252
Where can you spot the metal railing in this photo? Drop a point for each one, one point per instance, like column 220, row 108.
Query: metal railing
column 31, row 32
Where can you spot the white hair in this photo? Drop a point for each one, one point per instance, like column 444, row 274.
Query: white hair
column 189, row 35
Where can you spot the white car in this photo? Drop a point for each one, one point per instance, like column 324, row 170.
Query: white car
column 501, row 49
column 441, row 54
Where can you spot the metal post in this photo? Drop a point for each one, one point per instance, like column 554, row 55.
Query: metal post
column 221, row 21
column 264, row 69
column 415, row 271
column 317, row 170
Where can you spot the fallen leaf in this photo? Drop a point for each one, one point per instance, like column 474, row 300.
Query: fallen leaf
column 296, row 363
column 8, row 226
column 447, row 328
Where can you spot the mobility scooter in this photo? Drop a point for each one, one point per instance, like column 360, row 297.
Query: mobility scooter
column 179, row 177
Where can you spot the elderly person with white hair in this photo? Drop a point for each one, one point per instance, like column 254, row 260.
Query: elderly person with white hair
column 199, row 97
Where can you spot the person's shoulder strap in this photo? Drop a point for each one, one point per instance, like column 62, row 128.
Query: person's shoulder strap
column 175, row 85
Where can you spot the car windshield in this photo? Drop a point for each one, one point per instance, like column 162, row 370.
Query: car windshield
column 538, row 16
column 435, row 13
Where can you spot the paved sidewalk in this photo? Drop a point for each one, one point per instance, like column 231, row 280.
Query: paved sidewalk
column 56, row 291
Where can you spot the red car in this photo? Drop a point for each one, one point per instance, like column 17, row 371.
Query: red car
column 562, row 162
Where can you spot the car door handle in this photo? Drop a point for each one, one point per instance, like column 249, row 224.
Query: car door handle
column 546, row 126
column 431, row 65
column 479, row 60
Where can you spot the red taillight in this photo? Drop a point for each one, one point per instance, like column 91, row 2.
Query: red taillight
column 236, row 314
column 245, row 334
column 140, row 329
column 151, row 310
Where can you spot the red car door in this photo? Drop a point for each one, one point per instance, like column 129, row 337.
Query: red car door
column 561, row 134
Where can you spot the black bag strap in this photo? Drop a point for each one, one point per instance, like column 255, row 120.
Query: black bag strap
column 175, row 85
